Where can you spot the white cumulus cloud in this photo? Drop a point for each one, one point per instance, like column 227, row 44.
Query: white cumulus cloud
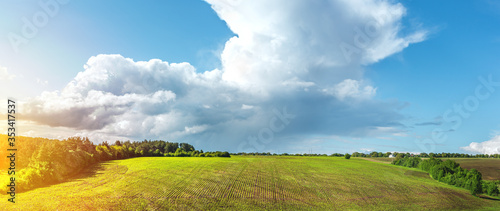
column 287, row 54
column 491, row 146
column 284, row 40
column 351, row 89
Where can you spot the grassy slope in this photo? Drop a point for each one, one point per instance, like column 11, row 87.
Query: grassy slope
column 239, row 183
column 380, row 160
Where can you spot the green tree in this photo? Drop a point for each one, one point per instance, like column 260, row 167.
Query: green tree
column 473, row 182
column 171, row 147
column 187, row 147
column 347, row 156
column 157, row 153
column 180, row 153
column 490, row 188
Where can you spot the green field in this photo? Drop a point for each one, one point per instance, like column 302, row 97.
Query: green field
column 247, row 182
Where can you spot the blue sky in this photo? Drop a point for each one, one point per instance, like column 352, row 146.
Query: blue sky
column 226, row 73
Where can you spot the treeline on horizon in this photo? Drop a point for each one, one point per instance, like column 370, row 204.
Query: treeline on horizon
column 451, row 173
column 41, row 161
column 378, row 154
column 426, row 155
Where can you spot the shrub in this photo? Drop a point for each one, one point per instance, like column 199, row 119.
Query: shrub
column 490, row 188
column 451, row 173
column 473, row 181
column 410, row 162
column 347, row 156
column 225, row 154
column 427, row 165
column 180, row 153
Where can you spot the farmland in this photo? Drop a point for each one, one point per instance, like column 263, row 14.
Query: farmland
column 490, row 168
column 248, row 182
